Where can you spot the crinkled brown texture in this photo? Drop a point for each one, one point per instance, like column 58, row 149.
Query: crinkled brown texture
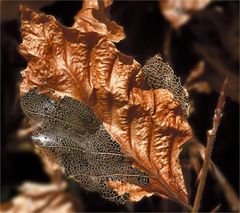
column 84, row 64
column 136, row 192
column 95, row 4
column 92, row 18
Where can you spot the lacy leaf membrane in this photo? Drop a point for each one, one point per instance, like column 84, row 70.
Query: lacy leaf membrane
column 76, row 139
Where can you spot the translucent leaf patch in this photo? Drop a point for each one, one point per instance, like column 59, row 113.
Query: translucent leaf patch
column 76, row 140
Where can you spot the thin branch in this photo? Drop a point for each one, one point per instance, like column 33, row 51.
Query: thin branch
column 216, row 208
column 229, row 193
column 167, row 45
column 210, row 141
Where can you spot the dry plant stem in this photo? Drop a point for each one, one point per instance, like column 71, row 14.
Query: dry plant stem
column 229, row 192
column 225, row 186
column 167, row 45
column 216, row 208
column 210, row 141
column 187, row 207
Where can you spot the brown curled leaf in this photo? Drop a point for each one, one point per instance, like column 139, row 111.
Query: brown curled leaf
column 178, row 12
column 35, row 197
column 92, row 18
column 95, row 4
column 84, row 64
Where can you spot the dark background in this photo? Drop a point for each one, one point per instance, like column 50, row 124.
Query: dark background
column 210, row 35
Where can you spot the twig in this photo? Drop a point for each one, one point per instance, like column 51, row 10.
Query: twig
column 229, row 193
column 167, row 45
column 210, row 141
column 216, row 208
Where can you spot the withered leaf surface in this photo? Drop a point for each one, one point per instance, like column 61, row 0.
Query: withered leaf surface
column 148, row 124
column 71, row 133
column 92, row 18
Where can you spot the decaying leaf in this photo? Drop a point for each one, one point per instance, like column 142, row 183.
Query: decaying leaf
column 75, row 139
column 178, row 12
column 50, row 197
column 35, row 197
column 195, row 80
column 137, row 133
column 160, row 75
column 135, row 192
column 92, row 18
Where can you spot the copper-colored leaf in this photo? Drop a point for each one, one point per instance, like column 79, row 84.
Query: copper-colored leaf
column 92, row 18
column 84, row 64
column 95, row 4
column 136, row 192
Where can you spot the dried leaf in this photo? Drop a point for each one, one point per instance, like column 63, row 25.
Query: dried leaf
column 160, row 75
column 136, row 193
column 82, row 63
column 72, row 136
column 35, row 197
column 195, row 80
column 92, row 18
column 178, row 12
column 196, row 72
column 95, row 4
